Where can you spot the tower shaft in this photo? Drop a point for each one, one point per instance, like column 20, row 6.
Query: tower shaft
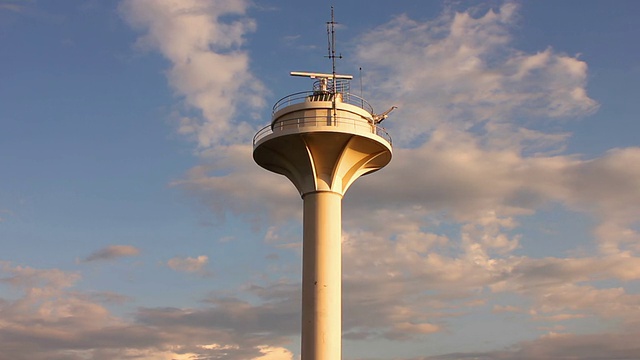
column 321, row 276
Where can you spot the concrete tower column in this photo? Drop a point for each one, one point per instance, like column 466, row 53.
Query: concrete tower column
column 321, row 276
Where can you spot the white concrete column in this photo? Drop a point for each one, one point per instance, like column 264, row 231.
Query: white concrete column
column 322, row 277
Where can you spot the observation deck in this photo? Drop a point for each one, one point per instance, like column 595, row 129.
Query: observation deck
column 323, row 139
column 322, row 98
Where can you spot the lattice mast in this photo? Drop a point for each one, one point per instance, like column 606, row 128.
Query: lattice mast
column 331, row 39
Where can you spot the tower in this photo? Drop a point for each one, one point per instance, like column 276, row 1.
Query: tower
column 322, row 141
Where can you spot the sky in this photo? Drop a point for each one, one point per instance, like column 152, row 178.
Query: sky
column 134, row 223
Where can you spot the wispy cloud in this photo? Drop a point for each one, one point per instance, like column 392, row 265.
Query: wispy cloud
column 189, row 264
column 112, row 252
column 208, row 66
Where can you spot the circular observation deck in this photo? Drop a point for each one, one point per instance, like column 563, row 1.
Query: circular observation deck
column 322, row 141
column 309, row 110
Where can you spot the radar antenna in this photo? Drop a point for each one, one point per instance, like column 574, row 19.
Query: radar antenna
column 330, row 84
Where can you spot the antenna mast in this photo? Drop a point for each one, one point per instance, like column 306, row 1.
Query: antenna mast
column 331, row 37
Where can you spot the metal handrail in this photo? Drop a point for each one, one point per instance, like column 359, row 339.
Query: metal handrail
column 301, row 97
column 339, row 85
column 362, row 126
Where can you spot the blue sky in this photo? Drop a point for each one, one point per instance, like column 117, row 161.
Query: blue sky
column 135, row 225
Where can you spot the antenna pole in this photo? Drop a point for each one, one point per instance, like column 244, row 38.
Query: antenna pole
column 331, row 34
column 333, row 46
column 361, row 93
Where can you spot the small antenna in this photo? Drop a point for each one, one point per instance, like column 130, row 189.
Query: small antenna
column 361, row 92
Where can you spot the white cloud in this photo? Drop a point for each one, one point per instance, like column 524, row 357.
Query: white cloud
column 112, row 252
column 208, row 67
column 563, row 289
column 24, row 276
column 274, row 353
column 189, row 264
column 461, row 178
column 461, row 70
column 230, row 182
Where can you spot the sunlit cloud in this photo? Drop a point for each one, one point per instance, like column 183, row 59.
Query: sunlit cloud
column 67, row 323
column 112, row 252
column 189, row 264
column 461, row 70
column 274, row 353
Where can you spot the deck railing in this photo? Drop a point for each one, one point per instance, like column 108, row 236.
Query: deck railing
column 301, row 97
column 358, row 125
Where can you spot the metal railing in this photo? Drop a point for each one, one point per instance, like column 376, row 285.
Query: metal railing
column 358, row 125
column 301, row 97
column 342, row 86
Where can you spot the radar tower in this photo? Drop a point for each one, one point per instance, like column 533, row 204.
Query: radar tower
column 323, row 140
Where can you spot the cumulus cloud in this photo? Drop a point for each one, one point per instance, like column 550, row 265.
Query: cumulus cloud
column 112, row 252
column 24, row 276
column 460, row 181
column 274, row 353
column 461, row 69
column 209, row 69
column 427, row 283
column 50, row 319
column 189, row 264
